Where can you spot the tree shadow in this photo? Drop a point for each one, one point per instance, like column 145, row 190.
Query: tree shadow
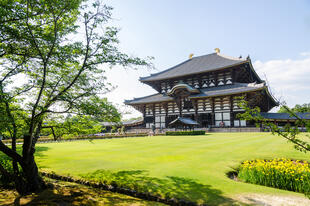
column 38, row 152
column 66, row 194
column 180, row 188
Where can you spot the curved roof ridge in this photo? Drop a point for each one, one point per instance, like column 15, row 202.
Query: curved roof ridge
column 205, row 55
column 230, row 57
column 138, row 98
column 196, row 65
column 155, row 74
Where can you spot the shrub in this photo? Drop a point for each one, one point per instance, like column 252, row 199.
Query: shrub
column 6, row 181
column 199, row 132
column 279, row 173
column 89, row 137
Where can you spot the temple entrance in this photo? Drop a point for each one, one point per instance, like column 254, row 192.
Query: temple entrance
column 205, row 119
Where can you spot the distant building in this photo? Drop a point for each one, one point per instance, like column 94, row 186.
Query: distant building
column 205, row 90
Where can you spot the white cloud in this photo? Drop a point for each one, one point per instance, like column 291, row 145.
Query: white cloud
column 289, row 79
column 305, row 53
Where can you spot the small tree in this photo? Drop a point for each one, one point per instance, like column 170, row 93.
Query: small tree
column 288, row 132
column 123, row 130
column 79, row 124
column 50, row 57
column 304, row 108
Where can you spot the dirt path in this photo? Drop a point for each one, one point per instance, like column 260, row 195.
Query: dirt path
column 272, row 200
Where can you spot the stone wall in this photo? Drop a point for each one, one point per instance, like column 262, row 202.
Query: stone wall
column 236, row 129
column 214, row 129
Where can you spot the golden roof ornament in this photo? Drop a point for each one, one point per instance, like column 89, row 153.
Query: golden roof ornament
column 191, row 56
column 217, row 50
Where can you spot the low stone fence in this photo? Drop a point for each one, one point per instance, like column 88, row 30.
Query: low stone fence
column 106, row 136
column 235, row 129
column 212, row 129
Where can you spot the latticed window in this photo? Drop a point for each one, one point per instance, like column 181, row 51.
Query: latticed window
column 160, row 121
column 187, row 104
column 222, row 119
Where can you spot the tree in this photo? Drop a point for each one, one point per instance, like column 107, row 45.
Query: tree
column 298, row 108
column 103, row 111
column 51, row 57
column 7, row 130
column 289, row 132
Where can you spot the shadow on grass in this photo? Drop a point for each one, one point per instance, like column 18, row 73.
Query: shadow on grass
column 64, row 193
column 38, row 152
column 169, row 187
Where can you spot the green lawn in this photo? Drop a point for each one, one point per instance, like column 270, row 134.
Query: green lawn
column 188, row 167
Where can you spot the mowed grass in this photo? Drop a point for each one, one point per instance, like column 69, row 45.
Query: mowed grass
column 187, row 167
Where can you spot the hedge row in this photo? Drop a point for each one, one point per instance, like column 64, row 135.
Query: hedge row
column 116, row 188
column 198, row 132
column 8, row 141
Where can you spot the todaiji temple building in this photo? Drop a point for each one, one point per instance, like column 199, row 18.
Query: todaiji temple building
column 203, row 91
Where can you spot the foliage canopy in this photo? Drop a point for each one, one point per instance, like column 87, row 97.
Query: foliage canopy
column 53, row 55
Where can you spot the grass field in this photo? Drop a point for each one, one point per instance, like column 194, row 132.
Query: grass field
column 188, row 167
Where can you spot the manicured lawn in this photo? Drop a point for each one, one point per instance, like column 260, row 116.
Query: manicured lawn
column 188, row 167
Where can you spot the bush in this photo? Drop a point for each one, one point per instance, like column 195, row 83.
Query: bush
column 89, row 137
column 6, row 181
column 279, row 173
column 199, row 132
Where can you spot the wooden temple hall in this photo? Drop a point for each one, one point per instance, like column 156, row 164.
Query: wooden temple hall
column 204, row 91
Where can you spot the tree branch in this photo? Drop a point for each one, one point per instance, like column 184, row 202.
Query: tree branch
column 9, row 152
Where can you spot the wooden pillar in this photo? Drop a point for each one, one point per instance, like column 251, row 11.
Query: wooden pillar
column 180, row 107
column 144, row 115
column 208, row 80
column 165, row 105
column 233, row 76
column 204, row 104
column 222, row 103
column 200, row 82
column 166, row 109
column 195, row 104
column 153, row 114
column 231, row 100
column 213, row 113
column 216, row 79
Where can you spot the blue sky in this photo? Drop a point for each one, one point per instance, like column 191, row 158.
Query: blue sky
column 276, row 34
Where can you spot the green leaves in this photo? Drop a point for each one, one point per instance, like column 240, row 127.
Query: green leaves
column 289, row 132
column 56, row 47
column 297, row 108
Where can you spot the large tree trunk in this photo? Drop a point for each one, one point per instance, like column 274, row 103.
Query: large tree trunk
column 29, row 181
column 32, row 180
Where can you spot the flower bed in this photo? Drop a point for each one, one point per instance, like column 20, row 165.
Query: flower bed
column 293, row 175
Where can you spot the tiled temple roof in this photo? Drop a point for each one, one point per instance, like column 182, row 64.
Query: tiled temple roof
column 284, row 116
column 196, row 65
column 184, row 121
column 207, row 92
